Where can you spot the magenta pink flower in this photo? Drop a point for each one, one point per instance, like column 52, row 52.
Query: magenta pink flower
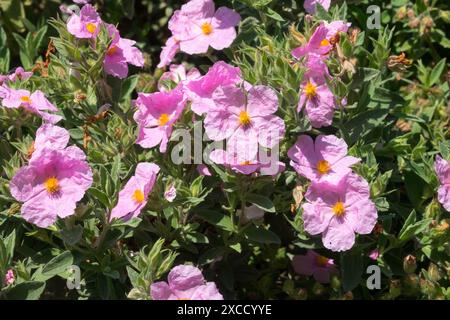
column 120, row 53
column 374, row 254
column 86, row 25
column 177, row 75
column 238, row 165
column 168, row 52
column 313, row 264
column 185, row 282
column 133, row 197
column 319, row 103
column 49, row 136
column 20, row 75
column 310, row 5
column 316, row 68
column 157, row 112
column 81, row 1
column 197, row 26
column 317, row 44
column 170, row 193
column 339, row 211
column 10, row 277
column 35, row 102
column 51, row 185
column 323, row 160
column 200, row 91
column 442, row 168
column 203, row 170
column 246, row 120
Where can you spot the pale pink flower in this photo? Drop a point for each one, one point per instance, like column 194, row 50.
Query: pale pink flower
column 245, row 119
column 185, row 282
column 203, row 170
column 35, row 102
column 86, row 25
column 313, row 264
column 156, row 115
column 310, row 5
column 49, row 136
column 319, row 103
column 19, row 75
column 177, row 74
column 200, row 91
column 339, row 211
column 10, row 277
column 51, row 185
column 133, row 197
column 317, row 44
column 374, row 254
column 168, row 52
column 323, row 160
column 170, row 193
column 442, row 168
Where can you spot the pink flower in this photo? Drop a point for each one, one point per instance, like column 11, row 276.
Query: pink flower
column 310, row 5
column 200, row 91
column 335, row 27
column 81, row 1
column 317, row 44
column 246, row 120
column 168, row 52
column 319, row 103
column 442, row 168
column 49, row 136
column 86, row 25
column 133, row 197
column 203, row 170
column 20, row 74
column 374, row 254
column 185, row 282
column 197, row 26
column 170, row 193
column 120, row 53
column 339, row 211
column 313, row 264
column 323, row 160
column 177, row 75
column 35, row 102
column 157, row 112
column 51, row 185
column 232, row 161
column 10, row 277
column 316, row 68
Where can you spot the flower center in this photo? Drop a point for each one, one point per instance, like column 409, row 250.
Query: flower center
column 183, row 299
column 207, row 28
column 323, row 166
column 112, row 50
column 339, row 208
column 138, row 196
column 321, row 261
column 244, row 118
column 52, row 185
column 310, row 90
column 163, row 119
column 25, row 99
column 324, row 43
column 90, row 27
column 246, row 163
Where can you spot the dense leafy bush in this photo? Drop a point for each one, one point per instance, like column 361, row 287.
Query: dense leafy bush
column 337, row 149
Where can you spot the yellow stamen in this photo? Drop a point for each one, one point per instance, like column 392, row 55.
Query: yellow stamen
column 339, row 208
column 244, row 118
column 163, row 119
column 138, row 196
column 323, row 166
column 90, row 27
column 25, row 99
column 52, row 185
column 207, row 28
column 324, row 43
column 310, row 90
column 183, row 299
column 246, row 163
column 321, row 261
column 112, row 50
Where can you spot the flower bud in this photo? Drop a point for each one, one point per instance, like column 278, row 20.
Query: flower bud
column 401, row 13
column 335, row 283
column 302, row 294
column 410, row 13
column 409, row 264
column 434, row 272
column 410, row 284
column 398, row 63
column 348, row 296
column 395, row 288
column 414, row 23
column 318, row 289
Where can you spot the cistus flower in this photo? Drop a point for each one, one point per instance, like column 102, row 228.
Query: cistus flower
column 239, row 165
column 168, row 52
column 133, row 197
column 19, row 75
column 9, row 277
column 86, row 25
column 49, row 136
column 51, row 185
column 185, row 282
column 120, row 53
column 374, row 254
column 156, row 114
column 197, row 26
column 170, row 193
column 177, row 74
column 442, row 168
column 35, row 102
column 203, row 170
column 319, row 103
column 324, row 159
column 246, row 120
column 339, row 211
column 200, row 91
column 310, row 5
column 313, row 264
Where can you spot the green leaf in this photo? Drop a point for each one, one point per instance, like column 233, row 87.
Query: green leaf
column 261, row 202
column 58, row 264
column 351, row 269
column 73, row 235
column 211, row 255
column 29, row 290
column 414, row 229
column 436, row 72
column 274, row 15
column 4, row 52
column 261, row 235
column 128, row 85
column 216, row 219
